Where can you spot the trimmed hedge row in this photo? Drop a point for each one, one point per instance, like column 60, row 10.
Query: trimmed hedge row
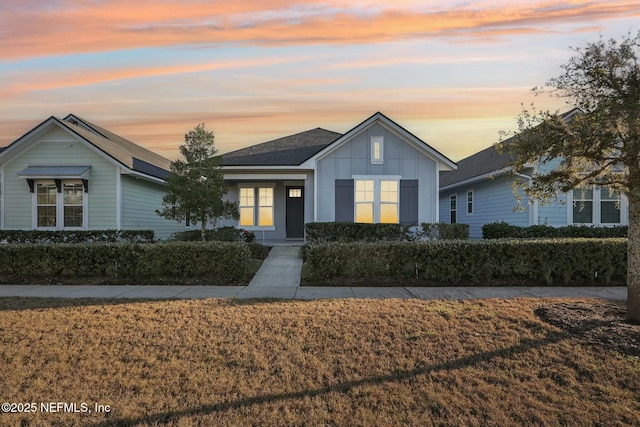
column 548, row 262
column 217, row 262
column 222, row 234
column 75, row 236
column 320, row 232
column 503, row 230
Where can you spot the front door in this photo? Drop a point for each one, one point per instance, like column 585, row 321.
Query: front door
column 295, row 212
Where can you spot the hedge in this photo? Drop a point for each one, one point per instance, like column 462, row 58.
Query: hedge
column 546, row 262
column 217, row 262
column 222, row 234
column 75, row 236
column 502, row 230
column 320, row 232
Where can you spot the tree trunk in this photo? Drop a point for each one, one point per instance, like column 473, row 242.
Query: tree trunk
column 203, row 231
column 633, row 260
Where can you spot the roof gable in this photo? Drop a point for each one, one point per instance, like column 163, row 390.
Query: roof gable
column 290, row 150
column 444, row 162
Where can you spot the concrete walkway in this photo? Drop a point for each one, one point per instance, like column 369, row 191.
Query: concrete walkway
column 305, row 293
column 282, row 267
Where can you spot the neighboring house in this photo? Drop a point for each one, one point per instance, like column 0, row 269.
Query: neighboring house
column 376, row 172
column 480, row 191
column 71, row 174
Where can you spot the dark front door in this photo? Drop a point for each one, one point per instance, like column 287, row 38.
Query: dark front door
column 295, row 212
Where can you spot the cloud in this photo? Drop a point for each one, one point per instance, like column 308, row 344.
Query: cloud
column 118, row 25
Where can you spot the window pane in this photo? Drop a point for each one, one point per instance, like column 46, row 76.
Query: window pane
column 364, row 191
column 46, row 194
column 246, row 217
column 389, row 213
column 583, row 212
column 73, row 216
column 266, row 196
column 364, row 212
column 389, row 191
column 72, row 194
column 583, row 193
column 46, row 216
column 266, row 216
column 453, row 203
column 295, row 192
column 609, row 212
column 452, row 218
column 246, row 197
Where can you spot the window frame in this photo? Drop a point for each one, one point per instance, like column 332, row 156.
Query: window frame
column 377, row 201
column 453, row 208
column 470, row 201
column 596, row 201
column 59, row 204
column 377, row 150
column 257, row 206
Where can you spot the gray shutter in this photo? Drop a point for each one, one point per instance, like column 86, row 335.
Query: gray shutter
column 344, row 200
column 408, row 201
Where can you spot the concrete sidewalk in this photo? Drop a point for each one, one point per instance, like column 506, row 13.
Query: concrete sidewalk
column 282, row 267
column 305, row 293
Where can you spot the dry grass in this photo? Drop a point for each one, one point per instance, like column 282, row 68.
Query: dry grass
column 338, row 362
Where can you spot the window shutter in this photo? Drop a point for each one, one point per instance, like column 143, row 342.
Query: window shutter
column 344, row 200
column 408, row 201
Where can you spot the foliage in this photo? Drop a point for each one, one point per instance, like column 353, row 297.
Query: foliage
column 195, row 187
column 598, row 144
column 501, row 230
column 217, row 262
column 484, row 262
column 75, row 236
column 221, row 234
column 319, row 232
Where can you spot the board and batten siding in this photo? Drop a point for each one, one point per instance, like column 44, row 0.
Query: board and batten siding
column 58, row 148
column 493, row 201
column 400, row 159
column 140, row 200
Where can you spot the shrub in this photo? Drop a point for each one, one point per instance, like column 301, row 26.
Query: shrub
column 442, row 231
column 75, row 236
column 221, row 234
column 217, row 262
column 318, row 232
column 550, row 262
column 502, row 230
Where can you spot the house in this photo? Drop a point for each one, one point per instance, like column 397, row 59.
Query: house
column 377, row 172
column 70, row 174
column 480, row 191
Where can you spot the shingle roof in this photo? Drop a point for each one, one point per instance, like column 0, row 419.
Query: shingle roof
column 131, row 155
column 481, row 163
column 287, row 151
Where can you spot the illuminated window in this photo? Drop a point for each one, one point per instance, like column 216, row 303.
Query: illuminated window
column 252, row 197
column 377, row 150
column 295, row 193
column 377, row 200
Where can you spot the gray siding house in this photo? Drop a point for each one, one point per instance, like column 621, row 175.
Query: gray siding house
column 480, row 191
column 72, row 174
column 378, row 172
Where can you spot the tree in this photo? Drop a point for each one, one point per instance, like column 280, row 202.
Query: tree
column 598, row 146
column 195, row 187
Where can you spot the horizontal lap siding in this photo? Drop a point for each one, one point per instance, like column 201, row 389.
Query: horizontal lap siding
column 494, row 201
column 140, row 199
column 58, row 148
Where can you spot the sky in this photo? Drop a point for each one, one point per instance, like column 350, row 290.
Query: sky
column 454, row 73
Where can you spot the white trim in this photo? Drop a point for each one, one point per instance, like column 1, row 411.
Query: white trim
column 315, row 195
column 256, row 185
column 269, row 176
column 473, row 196
column 118, row 198
column 372, row 142
column 487, row 175
column 281, row 168
column 437, row 203
column 596, row 212
column 59, row 206
column 453, row 210
column 2, row 197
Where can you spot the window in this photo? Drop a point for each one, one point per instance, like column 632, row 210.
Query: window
column 453, row 208
column 609, row 206
column 377, row 200
column 595, row 205
column 295, row 193
column 252, row 197
column 64, row 209
column 377, row 150
column 470, row 202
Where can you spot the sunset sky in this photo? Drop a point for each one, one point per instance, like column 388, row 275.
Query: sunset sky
column 455, row 73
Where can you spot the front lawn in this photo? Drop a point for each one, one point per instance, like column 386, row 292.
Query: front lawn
column 331, row 362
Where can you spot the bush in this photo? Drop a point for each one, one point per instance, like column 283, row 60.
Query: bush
column 502, row 230
column 318, row 232
column 221, row 234
column 548, row 262
column 75, row 236
column 217, row 262
column 442, row 231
